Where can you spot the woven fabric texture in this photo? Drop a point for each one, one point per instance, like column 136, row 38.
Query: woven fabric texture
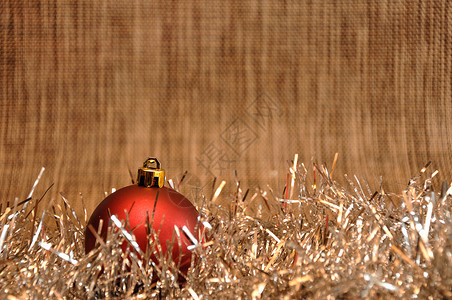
column 89, row 89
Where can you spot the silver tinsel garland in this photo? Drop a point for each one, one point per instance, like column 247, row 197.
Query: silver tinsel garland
column 317, row 240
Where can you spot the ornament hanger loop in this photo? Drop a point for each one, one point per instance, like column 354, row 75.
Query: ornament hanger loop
column 151, row 161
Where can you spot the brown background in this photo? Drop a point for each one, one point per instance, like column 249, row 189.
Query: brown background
column 89, row 89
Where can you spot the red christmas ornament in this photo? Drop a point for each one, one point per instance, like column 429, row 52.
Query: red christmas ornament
column 140, row 203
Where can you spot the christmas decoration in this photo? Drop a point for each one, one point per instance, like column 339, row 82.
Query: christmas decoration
column 147, row 204
column 318, row 240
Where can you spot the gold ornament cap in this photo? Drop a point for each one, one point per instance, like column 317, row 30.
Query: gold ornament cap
column 151, row 175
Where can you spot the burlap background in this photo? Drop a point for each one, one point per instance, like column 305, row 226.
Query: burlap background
column 89, row 89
